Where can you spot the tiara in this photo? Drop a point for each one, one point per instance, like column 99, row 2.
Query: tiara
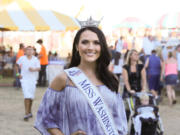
column 89, row 22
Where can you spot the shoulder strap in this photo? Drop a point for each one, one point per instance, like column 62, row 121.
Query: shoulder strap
column 94, row 99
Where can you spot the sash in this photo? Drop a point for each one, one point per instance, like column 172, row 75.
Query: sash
column 94, row 99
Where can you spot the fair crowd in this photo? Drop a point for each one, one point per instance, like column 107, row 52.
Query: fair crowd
column 160, row 59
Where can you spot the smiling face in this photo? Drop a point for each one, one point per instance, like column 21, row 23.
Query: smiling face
column 89, row 47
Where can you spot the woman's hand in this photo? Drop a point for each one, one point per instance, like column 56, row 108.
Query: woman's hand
column 132, row 91
column 143, row 90
column 79, row 133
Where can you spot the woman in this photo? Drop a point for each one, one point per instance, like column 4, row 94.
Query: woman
column 171, row 76
column 134, row 76
column 64, row 109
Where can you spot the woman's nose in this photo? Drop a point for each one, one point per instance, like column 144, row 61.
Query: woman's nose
column 91, row 45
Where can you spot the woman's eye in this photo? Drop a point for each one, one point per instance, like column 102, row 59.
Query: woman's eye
column 96, row 42
column 84, row 41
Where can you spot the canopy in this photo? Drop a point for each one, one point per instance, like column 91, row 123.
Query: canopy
column 131, row 22
column 169, row 20
column 2, row 28
column 20, row 15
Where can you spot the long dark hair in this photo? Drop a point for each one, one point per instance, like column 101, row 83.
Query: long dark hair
column 103, row 61
column 117, row 57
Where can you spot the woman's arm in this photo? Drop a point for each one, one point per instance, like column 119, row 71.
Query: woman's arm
column 55, row 131
column 147, row 63
column 126, row 81
column 58, row 84
column 34, row 69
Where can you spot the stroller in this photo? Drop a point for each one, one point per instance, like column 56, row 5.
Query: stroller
column 149, row 121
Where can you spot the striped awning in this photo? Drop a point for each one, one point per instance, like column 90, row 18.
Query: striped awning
column 20, row 15
column 131, row 22
column 169, row 20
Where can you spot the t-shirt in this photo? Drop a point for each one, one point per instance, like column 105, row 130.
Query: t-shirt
column 119, row 45
column 44, row 58
column 19, row 54
column 25, row 64
column 148, row 46
column 145, row 109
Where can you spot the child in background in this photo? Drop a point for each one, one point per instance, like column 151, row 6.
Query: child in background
column 143, row 112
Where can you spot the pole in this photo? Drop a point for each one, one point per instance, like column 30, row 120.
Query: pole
column 1, row 38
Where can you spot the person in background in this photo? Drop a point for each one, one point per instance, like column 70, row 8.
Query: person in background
column 154, row 67
column 112, row 51
column 165, row 51
column 148, row 46
column 119, row 44
column 68, row 61
column 11, row 51
column 170, row 69
column 116, row 65
column 44, row 62
column 55, row 57
column 13, row 56
column 145, row 112
column 35, row 52
column 142, row 57
column 50, row 56
column 1, row 61
column 65, row 110
column 20, row 52
column 125, row 45
column 8, row 60
column 134, row 76
column 29, row 66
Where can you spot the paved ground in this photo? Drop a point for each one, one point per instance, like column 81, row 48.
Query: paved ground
column 12, row 112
